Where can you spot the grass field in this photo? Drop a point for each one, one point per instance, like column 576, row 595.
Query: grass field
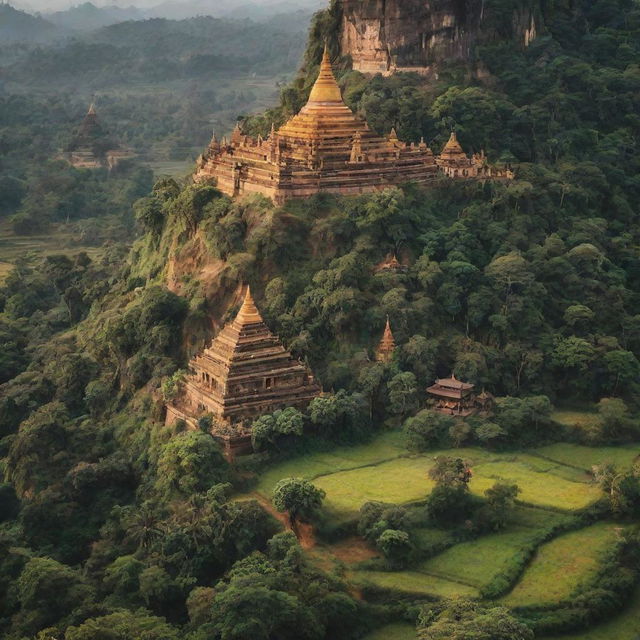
column 386, row 446
column 625, row 626
column 479, row 561
column 383, row 470
column 426, row 537
column 173, row 168
column 543, row 488
column 561, row 565
column 395, row 631
column 57, row 240
column 414, row 582
column 576, row 417
column 586, row 457
column 406, row 480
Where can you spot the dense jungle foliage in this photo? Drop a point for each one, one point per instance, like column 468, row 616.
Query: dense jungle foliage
column 114, row 526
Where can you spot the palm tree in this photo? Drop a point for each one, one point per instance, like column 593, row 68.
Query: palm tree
column 144, row 526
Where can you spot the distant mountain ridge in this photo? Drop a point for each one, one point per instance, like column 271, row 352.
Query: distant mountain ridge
column 18, row 26
column 87, row 16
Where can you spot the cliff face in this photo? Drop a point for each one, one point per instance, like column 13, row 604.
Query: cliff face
column 383, row 36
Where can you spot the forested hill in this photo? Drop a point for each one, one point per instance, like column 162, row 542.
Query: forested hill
column 160, row 50
column 20, row 27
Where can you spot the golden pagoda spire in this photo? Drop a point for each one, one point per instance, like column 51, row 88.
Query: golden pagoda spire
column 326, row 88
column 92, row 109
column 387, row 345
column 248, row 313
column 452, row 146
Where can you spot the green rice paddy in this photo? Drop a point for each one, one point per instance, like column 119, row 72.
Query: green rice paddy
column 383, row 470
column 58, row 240
column 414, row 582
column 477, row 562
column 562, row 564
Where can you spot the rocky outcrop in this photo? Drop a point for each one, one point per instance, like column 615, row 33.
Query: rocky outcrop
column 383, row 36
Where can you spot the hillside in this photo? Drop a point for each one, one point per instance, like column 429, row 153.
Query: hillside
column 160, row 50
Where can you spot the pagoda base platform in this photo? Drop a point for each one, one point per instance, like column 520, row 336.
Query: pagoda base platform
column 232, row 445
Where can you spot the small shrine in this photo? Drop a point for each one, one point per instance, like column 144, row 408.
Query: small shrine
column 455, row 163
column 245, row 372
column 387, row 345
column 91, row 147
column 390, row 264
column 453, row 397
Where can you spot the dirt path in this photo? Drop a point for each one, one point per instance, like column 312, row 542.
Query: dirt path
column 305, row 534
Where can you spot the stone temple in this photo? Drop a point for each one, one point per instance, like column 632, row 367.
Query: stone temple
column 245, row 372
column 92, row 148
column 325, row 147
column 455, row 163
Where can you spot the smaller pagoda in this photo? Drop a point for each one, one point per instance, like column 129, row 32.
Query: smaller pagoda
column 455, row 163
column 91, row 147
column 390, row 264
column 387, row 345
column 245, row 372
column 453, row 397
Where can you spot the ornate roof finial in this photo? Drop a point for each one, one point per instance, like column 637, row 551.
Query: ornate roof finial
column 326, row 88
column 248, row 313
column 453, row 146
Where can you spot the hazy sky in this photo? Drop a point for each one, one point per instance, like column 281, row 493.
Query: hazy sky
column 56, row 5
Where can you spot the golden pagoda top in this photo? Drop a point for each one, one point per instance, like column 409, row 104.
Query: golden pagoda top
column 325, row 117
column 326, row 88
column 248, row 313
column 92, row 109
column 453, row 146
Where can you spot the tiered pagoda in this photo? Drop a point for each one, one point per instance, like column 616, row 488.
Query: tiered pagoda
column 325, row 147
column 244, row 373
column 390, row 264
column 453, row 397
column 455, row 163
column 387, row 345
column 91, row 147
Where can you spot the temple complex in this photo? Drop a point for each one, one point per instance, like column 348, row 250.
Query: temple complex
column 325, row 147
column 91, row 147
column 244, row 373
column 453, row 397
column 387, row 345
column 455, row 163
